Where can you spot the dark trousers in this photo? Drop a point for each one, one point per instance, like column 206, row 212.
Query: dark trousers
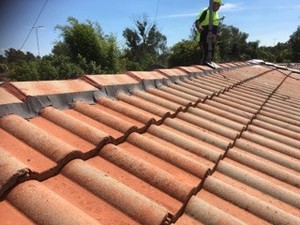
column 205, row 49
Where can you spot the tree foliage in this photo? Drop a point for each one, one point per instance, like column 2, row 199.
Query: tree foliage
column 23, row 71
column 294, row 44
column 3, row 68
column 13, row 55
column 233, row 45
column 146, row 45
column 184, row 53
column 84, row 49
column 85, row 42
column 47, row 68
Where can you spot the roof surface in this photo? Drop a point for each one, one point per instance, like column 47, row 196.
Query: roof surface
column 188, row 145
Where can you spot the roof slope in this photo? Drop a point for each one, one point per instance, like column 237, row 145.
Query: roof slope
column 188, row 145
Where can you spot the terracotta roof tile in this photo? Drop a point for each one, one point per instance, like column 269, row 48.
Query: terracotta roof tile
column 53, row 147
column 109, row 80
column 12, row 170
column 172, row 72
column 187, row 145
column 26, row 154
column 11, row 215
column 7, row 98
column 53, row 208
column 50, row 87
column 143, row 75
column 209, row 213
column 190, row 69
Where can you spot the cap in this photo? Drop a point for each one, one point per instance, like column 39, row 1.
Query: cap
column 218, row 1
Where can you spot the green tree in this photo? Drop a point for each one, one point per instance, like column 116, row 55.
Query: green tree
column 232, row 45
column 46, row 70
column 24, row 71
column 3, row 59
column 13, row 55
column 281, row 52
column 146, row 45
column 3, row 68
column 61, row 49
column 86, row 40
column 294, row 44
column 266, row 54
column 251, row 51
column 64, row 67
column 184, row 53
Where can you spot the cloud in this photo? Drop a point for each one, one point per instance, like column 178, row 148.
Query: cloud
column 180, row 15
column 229, row 7
column 284, row 7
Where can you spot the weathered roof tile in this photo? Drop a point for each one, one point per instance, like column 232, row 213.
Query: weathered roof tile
column 109, row 80
column 37, row 88
column 7, row 98
column 188, row 145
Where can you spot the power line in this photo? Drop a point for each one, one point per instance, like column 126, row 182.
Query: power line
column 157, row 5
column 34, row 24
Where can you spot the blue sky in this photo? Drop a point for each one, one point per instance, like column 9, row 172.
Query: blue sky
column 269, row 21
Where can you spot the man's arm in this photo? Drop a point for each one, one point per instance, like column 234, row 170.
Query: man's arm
column 200, row 20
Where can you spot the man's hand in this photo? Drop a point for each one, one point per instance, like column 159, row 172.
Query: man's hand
column 198, row 26
column 200, row 29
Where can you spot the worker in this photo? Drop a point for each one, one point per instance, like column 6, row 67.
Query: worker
column 202, row 26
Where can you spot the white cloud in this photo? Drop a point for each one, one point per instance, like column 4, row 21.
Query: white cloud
column 180, row 15
column 285, row 7
column 229, row 7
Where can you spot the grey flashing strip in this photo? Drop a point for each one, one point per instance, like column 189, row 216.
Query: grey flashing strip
column 21, row 109
column 33, row 105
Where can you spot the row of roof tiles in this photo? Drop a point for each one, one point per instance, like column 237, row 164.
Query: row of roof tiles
column 187, row 146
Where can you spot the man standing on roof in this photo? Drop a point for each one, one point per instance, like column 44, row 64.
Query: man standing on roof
column 202, row 26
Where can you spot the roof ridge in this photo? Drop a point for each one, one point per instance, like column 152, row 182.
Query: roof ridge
column 87, row 86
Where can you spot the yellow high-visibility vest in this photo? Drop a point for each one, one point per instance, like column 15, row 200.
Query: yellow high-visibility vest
column 205, row 22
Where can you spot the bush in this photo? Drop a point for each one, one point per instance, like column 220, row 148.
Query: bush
column 184, row 53
column 3, row 68
column 24, row 71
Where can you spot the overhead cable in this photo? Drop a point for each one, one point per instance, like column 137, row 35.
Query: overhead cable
column 34, row 24
column 157, row 5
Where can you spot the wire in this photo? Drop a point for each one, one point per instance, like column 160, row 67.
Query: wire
column 34, row 24
column 157, row 5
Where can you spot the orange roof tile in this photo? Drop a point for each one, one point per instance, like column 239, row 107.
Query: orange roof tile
column 205, row 147
column 38, row 88
column 7, row 98
column 110, row 80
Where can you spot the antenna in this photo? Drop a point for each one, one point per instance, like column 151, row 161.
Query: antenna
column 37, row 37
column 34, row 24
